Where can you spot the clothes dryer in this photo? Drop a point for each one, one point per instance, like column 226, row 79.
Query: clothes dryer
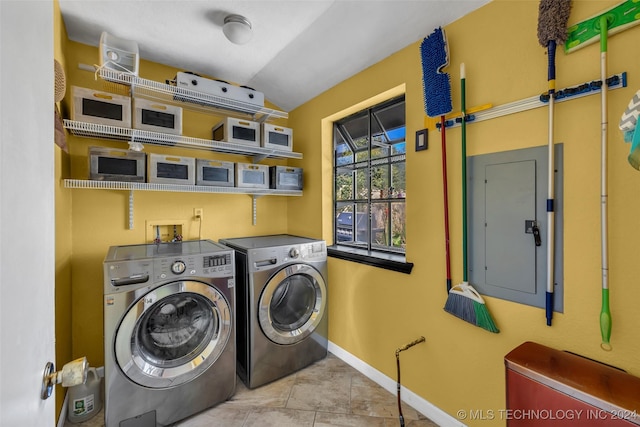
column 169, row 331
column 281, row 316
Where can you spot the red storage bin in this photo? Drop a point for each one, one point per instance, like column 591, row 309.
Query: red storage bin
column 547, row 387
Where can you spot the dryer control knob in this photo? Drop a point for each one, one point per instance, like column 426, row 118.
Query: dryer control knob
column 293, row 253
column 178, row 267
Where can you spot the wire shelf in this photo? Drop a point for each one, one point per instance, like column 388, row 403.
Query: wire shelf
column 142, row 186
column 188, row 98
column 94, row 130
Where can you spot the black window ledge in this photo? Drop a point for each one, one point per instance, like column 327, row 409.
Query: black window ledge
column 374, row 259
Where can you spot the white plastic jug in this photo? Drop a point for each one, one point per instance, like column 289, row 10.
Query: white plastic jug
column 85, row 400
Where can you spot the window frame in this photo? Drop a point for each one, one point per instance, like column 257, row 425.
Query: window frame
column 384, row 256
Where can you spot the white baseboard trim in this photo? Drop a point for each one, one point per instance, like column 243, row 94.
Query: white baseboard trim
column 421, row 405
column 63, row 412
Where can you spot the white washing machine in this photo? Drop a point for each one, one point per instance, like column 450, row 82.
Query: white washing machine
column 281, row 315
column 169, row 331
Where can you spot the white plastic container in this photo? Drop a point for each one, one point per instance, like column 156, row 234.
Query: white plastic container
column 85, row 400
column 119, row 54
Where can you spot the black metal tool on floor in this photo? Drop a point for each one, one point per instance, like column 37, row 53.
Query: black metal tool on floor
column 406, row 347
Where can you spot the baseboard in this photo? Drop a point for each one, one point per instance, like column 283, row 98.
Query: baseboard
column 63, row 412
column 421, row 405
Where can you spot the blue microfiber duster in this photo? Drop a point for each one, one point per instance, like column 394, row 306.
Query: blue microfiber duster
column 436, row 84
column 437, row 102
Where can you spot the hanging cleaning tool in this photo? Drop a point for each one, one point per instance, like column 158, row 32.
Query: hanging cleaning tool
column 611, row 21
column 552, row 30
column 605, row 313
column 463, row 300
column 619, row 18
column 437, row 102
column 406, row 347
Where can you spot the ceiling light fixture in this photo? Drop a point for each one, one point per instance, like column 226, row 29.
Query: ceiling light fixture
column 237, row 28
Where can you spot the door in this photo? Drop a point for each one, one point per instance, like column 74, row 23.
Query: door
column 27, row 266
column 173, row 334
column 292, row 304
column 510, row 198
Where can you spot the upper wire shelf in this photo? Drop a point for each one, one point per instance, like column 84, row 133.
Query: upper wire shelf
column 190, row 99
column 131, row 186
column 95, row 130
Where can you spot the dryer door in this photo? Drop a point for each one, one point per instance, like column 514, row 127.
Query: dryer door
column 173, row 334
column 292, row 304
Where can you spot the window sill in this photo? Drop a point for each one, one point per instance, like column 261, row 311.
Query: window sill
column 376, row 259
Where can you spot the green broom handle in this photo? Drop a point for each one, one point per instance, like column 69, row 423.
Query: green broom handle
column 464, row 172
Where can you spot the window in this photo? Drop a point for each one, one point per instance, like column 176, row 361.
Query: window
column 369, row 179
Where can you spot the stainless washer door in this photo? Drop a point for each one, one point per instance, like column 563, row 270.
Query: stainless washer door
column 292, row 304
column 173, row 334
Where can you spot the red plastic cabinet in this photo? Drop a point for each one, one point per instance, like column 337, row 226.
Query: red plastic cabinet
column 547, row 387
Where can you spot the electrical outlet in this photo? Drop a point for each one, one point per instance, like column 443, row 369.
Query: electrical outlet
column 198, row 213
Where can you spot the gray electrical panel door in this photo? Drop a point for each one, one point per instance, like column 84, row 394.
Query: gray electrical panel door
column 510, row 253
column 507, row 220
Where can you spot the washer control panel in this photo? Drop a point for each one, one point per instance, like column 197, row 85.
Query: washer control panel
column 214, row 265
column 265, row 258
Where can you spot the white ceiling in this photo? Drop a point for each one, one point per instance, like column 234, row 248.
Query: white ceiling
column 299, row 49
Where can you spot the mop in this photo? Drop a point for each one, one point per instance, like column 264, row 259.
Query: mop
column 552, row 29
column 406, row 347
column 437, row 102
column 613, row 20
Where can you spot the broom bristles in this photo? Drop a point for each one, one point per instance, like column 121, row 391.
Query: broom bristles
column 470, row 311
column 552, row 21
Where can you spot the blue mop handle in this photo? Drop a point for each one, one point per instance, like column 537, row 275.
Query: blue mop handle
column 551, row 70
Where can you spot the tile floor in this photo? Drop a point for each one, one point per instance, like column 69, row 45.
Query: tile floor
column 328, row 393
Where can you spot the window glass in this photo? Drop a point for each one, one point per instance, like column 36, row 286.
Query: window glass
column 369, row 178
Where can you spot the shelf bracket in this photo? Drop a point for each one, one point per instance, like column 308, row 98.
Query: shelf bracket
column 130, row 209
column 257, row 158
column 254, row 208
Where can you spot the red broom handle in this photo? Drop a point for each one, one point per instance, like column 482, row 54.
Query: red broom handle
column 446, row 200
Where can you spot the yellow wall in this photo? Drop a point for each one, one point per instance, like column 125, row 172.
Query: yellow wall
column 373, row 311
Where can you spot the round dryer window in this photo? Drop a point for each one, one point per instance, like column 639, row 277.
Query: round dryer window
column 292, row 304
column 173, row 334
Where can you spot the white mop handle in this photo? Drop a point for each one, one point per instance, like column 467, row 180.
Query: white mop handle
column 603, row 197
column 550, row 201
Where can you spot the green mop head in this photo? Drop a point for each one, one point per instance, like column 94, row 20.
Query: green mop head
column 619, row 18
column 552, row 21
column 467, row 304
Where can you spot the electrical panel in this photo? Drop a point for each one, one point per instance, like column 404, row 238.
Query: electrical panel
column 507, row 225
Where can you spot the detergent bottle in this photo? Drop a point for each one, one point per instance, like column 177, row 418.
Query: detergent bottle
column 85, row 400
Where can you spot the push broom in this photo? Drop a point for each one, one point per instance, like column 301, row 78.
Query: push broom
column 437, row 102
column 552, row 29
column 463, row 300
column 611, row 21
